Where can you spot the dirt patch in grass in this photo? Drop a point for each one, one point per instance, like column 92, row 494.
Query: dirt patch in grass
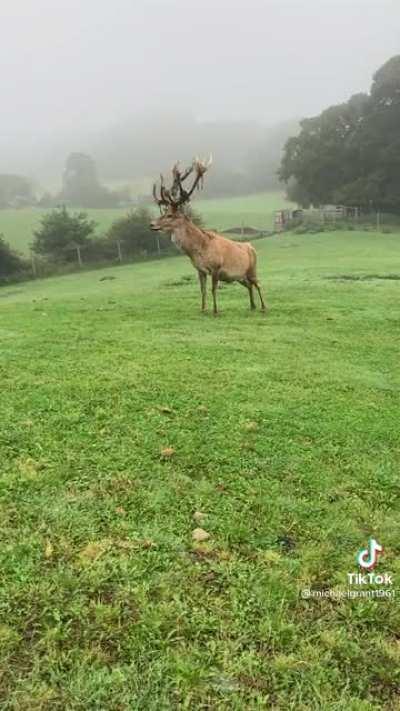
column 182, row 281
column 363, row 277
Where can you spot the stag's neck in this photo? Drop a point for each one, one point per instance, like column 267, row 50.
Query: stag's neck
column 190, row 239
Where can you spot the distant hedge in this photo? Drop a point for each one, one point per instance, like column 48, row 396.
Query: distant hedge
column 12, row 265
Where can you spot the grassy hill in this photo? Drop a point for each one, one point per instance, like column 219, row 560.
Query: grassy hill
column 129, row 420
column 254, row 210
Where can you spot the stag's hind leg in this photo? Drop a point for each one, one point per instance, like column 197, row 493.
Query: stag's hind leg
column 249, row 287
column 257, row 285
column 251, row 278
column 203, row 287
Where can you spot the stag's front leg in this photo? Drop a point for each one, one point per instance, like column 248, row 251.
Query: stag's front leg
column 203, row 287
column 214, row 292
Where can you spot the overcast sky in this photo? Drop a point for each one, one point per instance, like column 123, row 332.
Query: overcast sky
column 79, row 64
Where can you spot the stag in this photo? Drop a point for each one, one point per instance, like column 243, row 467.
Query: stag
column 210, row 253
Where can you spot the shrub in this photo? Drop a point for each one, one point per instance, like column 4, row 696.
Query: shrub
column 61, row 232
column 12, row 265
column 134, row 233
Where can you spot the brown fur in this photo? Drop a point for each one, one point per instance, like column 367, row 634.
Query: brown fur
column 212, row 255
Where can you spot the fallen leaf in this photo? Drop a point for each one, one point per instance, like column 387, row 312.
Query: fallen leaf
column 226, row 683
column 199, row 516
column 203, row 551
column 125, row 544
column 94, row 550
column 147, row 543
column 120, row 510
column 250, row 426
column 29, row 467
column 167, row 452
column 271, row 556
column 48, row 551
column 199, row 534
column 130, row 544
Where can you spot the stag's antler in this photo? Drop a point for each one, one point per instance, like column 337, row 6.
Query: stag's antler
column 200, row 167
column 177, row 196
column 164, row 198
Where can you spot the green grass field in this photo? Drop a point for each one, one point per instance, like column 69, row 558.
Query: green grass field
column 251, row 210
column 281, row 430
column 17, row 226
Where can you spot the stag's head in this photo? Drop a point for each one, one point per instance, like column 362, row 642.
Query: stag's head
column 172, row 201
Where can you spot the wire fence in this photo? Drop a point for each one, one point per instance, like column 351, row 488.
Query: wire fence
column 303, row 221
column 77, row 257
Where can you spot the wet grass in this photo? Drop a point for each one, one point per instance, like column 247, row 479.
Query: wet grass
column 128, row 420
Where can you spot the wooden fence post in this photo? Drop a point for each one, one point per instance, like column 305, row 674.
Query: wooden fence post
column 33, row 263
column 119, row 250
column 78, row 251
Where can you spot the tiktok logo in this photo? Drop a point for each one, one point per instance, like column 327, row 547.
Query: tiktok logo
column 368, row 557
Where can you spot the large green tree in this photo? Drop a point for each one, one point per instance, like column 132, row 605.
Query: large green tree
column 351, row 152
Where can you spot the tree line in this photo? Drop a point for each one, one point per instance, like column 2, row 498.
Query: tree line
column 350, row 153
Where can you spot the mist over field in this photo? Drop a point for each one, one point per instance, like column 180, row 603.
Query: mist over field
column 136, row 84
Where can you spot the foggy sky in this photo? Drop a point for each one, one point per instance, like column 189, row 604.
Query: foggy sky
column 72, row 66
